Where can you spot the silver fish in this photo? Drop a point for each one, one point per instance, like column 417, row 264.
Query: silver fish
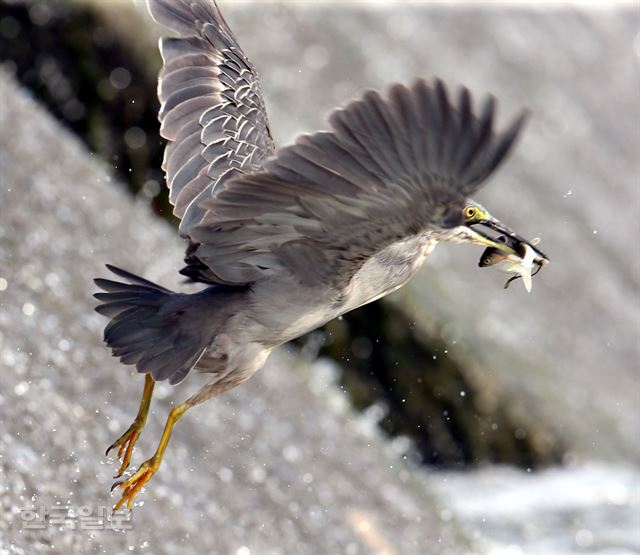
column 521, row 264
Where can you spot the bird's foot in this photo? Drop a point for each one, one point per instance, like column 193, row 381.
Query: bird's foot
column 132, row 486
column 125, row 443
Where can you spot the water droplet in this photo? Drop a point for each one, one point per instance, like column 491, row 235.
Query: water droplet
column 28, row 309
column 21, row 388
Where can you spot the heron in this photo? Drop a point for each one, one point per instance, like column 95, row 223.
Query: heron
column 284, row 240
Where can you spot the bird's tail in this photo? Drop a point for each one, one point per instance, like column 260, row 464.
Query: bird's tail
column 157, row 330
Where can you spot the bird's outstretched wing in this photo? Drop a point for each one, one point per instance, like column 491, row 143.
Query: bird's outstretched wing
column 390, row 168
column 212, row 112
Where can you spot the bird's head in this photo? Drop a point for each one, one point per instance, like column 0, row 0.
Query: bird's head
column 480, row 227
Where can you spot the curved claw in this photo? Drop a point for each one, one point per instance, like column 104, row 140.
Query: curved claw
column 126, row 442
column 132, row 486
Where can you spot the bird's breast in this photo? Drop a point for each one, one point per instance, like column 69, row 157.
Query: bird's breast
column 387, row 271
column 282, row 311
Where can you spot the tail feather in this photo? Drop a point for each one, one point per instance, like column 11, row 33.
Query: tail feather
column 151, row 327
column 134, row 279
column 116, row 286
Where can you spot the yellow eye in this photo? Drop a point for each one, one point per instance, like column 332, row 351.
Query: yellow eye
column 470, row 212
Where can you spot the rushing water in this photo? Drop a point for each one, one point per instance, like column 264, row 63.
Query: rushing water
column 590, row 508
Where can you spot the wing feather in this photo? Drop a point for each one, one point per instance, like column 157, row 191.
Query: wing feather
column 212, row 112
column 390, row 168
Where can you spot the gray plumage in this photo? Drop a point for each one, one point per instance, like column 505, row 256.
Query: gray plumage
column 212, row 113
column 156, row 329
column 390, row 168
column 289, row 240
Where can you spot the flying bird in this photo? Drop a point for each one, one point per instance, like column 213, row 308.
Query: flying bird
column 285, row 240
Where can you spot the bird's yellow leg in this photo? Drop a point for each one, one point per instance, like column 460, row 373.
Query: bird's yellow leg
column 131, row 486
column 127, row 441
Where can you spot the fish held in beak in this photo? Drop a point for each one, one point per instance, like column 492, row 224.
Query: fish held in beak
column 507, row 252
column 521, row 263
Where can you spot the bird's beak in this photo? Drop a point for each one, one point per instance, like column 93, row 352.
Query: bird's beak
column 509, row 242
